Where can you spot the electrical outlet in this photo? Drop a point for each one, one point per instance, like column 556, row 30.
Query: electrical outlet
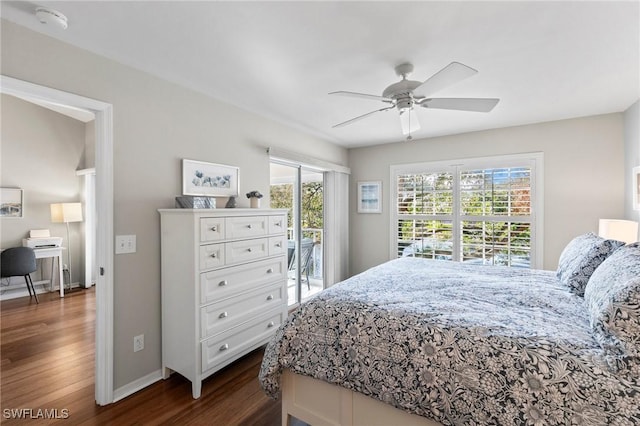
column 138, row 343
column 125, row 244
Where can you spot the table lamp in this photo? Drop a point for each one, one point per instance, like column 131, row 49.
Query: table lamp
column 621, row 230
column 67, row 212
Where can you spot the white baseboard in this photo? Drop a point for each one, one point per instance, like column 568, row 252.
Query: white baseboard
column 20, row 289
column 136, row 385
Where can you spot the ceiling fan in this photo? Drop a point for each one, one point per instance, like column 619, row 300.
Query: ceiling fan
column 407, row 94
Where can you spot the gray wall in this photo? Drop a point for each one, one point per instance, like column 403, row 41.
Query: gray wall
column 41, row 150
column 156, row 124
column 583, row 178
column 631, row 157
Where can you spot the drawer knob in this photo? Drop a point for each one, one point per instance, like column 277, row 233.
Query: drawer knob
column 279, row 224
column 271, row 324
column 270, row 297
column 214, row 255
column 222, row 283
column 278, row 244
column 249, row 250
column 249, row 226
column 223, row 315
column 270, row 271
column 224, row 347
column 214, row 228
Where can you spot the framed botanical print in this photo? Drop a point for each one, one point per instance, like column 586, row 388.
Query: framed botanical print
column 209, row 179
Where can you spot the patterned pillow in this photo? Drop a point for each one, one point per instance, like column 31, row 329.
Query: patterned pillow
column 613, row 300
column 581, row 257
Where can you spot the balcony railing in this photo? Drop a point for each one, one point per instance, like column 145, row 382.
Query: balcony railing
column 316, row 235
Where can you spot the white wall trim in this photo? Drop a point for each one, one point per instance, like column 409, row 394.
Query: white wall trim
column 104, row 203
column 305, row 160
column 138, row 384
column 84, row 172
column 104, row 256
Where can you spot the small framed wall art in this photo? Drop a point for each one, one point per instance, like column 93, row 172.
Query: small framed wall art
column 11, row 202
column 209, row 179
column 370, row 197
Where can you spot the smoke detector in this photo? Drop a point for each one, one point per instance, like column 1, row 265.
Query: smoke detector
column 51, row 17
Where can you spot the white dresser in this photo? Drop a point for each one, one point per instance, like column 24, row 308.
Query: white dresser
column 224, row 286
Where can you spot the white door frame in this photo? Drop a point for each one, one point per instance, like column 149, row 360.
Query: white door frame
column 104, row 207
column 89, row 189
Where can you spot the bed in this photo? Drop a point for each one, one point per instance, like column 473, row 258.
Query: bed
column 424, row 342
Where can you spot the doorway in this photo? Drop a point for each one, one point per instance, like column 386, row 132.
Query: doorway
column 300, row 190
column 104, row 216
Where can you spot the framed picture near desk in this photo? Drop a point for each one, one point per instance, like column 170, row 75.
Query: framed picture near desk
column 11, row 202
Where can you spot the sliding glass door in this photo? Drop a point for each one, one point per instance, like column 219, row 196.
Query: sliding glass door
column 301, row 191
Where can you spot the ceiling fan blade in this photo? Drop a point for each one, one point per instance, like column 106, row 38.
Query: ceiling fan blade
column 360, row 117
column 361, row 95
column 461, row 104
column 447, row 76
column 409, row 122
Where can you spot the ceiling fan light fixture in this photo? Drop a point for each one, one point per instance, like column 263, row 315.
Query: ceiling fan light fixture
column 51, row 17
column 409, row 121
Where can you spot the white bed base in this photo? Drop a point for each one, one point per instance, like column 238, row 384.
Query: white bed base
column 318, row 403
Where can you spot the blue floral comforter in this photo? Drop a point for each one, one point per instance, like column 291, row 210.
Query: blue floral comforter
column 459, row 344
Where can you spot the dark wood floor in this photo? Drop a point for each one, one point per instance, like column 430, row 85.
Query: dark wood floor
column 47, row 353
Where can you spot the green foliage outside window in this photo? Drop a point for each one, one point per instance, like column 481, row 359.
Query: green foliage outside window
column 312, row 203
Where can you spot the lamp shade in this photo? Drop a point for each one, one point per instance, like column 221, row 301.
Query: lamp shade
column 621, row 230
column 66, row 212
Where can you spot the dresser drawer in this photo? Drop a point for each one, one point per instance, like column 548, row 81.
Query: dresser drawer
column 222, row 315
column 228, row 281
column 277, row 245
column 211, row 229
column 246, row 226
column 277, row 224
column 220, row 348
column 211, row 256
column 246, row 250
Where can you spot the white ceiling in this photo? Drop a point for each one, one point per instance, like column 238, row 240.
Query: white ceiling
column 544, row 60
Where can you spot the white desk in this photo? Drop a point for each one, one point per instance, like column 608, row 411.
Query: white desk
column 53, row 252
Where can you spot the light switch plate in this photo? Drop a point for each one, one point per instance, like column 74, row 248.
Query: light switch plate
column 125, row 244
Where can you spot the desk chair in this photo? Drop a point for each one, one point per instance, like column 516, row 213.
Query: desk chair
column 19, row 261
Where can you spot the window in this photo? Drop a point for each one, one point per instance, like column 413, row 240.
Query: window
column 477, row 211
